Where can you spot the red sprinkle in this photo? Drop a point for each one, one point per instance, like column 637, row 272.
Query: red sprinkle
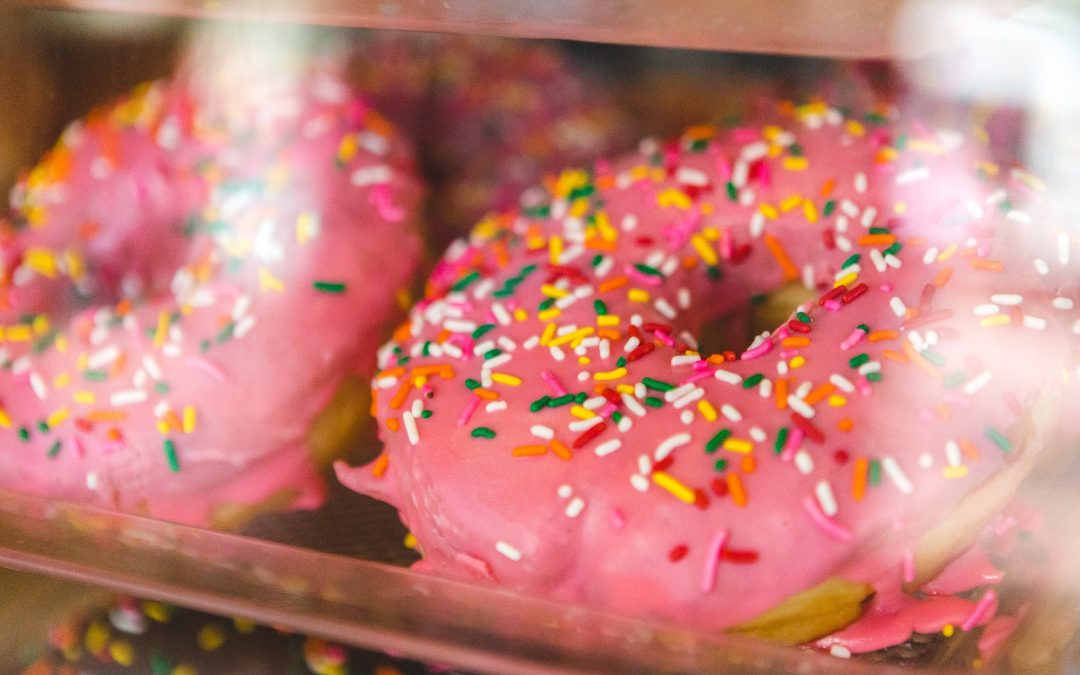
column 642, row 350
column 841, row 456
column 678, row 553
column 740, row 254
column 925, row 318
column 611, row 396
column 833, row 294
column 719, row 487
column 807, row 427
column 743, row 557
column 855, row 293
column 664, row 464
column 926, row 298
column 589, row 434
column 829, row 239
column 798, row 326
column 701, row 500
column 656, row 328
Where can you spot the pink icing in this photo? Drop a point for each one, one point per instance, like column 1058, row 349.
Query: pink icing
column 170, row 253
column 731, row 452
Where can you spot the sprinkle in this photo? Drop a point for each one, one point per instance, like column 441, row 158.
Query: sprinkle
column 508, row 550
column 534, row 450
column 825, row 497
column 826, row 524
column 800, row 406
column 672, row 485
column 729, row 377
column 858, row 483
column 998, row 439
column 777, row 249
column 540, row 431
column 335, row 287
column 712, row 560
column 608, row 447
column 668, row 445
column 170, row 455
column 983, row 609
column 410, row 427
column 897, row 475
column 735, row 488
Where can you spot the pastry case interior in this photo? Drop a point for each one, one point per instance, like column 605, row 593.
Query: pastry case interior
column 606, row 74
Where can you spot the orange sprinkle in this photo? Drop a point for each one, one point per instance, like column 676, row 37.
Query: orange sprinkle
column 858, row 479
column 896, row 356
column 123, row 308
column 797, row 341
column 969, row 449
column 402, row 333
column 390, row 372
column 845, row 425
column 689, row 262
column 612, row 284
column 781, row 393
column 171, row 419
column 610, row 334
column 819, row 393
column 604, row 182
column 113, row 434
column 502, row 255
column 436, row 369
column 777, row 249
column 598, row 244
column 827, row 187
column 399, row 396
column 486, row 394
column 748, row 464
column 988, row 265
column 378, row 467
column 114, row 416
column 443, row 336
column 944, row 411
column 735, row 488
column 529, row 450
column 920, row 361
column 877, row 240
column 560, row 450
column 118, row 365
column 392, row 424
column 881, row 335
column 374, row 409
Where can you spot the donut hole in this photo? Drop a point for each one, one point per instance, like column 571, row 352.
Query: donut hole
column 762, row 313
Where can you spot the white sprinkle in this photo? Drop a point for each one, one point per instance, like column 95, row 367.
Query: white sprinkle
column 644, row 464
column 501, row 315
column 757, row 224
column 410, row 427
column 504, row 341
column 604, row 267
column 986, row 310
column 639, row 482
column 850, row 208
column 1041, row 267
column 860, row 182
column 684, row 360
column 575, row 507
column 977, row 383
column 926, row 461
column 668, row 445
column 868, row 216
column 758, row 434
column 532, row 343
column 670, row 266
column 459, row 326
column 1006, row 298
column 1018, row 216
column 878, row 259
column 800, row 406
column 728, row 376
column 850, row 269
column 892, row 261
column 557, row 353
column 897, row 475
column 152, row 367
column 495, row 406
column 739, row 173
column 840, row 652
column 870, row 367
column 495, row 362
column 809, row 277
column 913, row 175
column 678, row 392
column 455, row 352
column 633, row 406
column 841, row 224
column 631, row 344
column 624, row 425
column 485, row 378
column 765, row 388
column 898, row 306
column 594, row 403
column 608, row 447
column 731, row 412
column 582, row 425
column 694, row 395
column 782, row 368
column 686, row 417
column 629, row 222
column 128, row 397
column 508, row 550
column 636, row 320
column 755, row 151
column 843, row 243
column 665, row 308
column 640, row 390
column 952, row 453
column 804, row 389
column 103, row 357
column 825, row 498
column 930, row 256
column 605, row 349
column 804, row 462
column 1034, row 322
column 37, row 383
column 371, row 175
column 1062, row 303
column 1063, row 248
column 565, row 490
column 683, row 298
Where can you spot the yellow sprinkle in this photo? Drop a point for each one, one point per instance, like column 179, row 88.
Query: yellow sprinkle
column 75, row 265
column 505, row 378
column 571, row 337
column 948, row 630
column 157, row 611
column 947, row 253
column 790, row 203
column 704, row 249
column 610, row 375
column 348, row 147
column 796, row 163
column 41, row 260
column 739, row 445
column 995, row 320
column 18, row 333
column 163, row 427
column 607, row 320
column 268, row 282
column 673, row 197
column 669, row 483
column 246, row 627
column 404, row 299
column 520, row 314
column 584, row 360
column 62, row 380
column 769, row 211
column 57, row 417
column 639, row 173
column 836, row 401
column 797, row 362
column 711, row 233
column 549, row 332
column 5, row 419
column 305, row 227
column 41, row 324
column 581, row 413
column 846, row 280
column 637, row 295
column 184, row 669
column 162, row 330
column 97, row 636
column 809, row 211
column 607, row 232
column 61, row 344
column 122, row 652
column 707, row 410
column 210, row 637
column 549, row 314
column 555, row 248
column 84, row 397
column 410, row 541
column 924, row 146
column 189, row 419
column 855, row 128
column 955, row 471
column 625, row 389
column 553, row 292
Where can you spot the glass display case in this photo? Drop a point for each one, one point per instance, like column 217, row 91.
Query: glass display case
column 341, row 571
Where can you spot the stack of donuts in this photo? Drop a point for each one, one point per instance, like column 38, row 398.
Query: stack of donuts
column 194, row 273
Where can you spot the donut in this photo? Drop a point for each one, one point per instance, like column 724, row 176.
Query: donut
column 550, row 426
column 491, row 116
column 188, row 277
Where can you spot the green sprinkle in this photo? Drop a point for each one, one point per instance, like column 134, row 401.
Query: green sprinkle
column 863, row 327
column 483, row 432
column 43, row 426
column 579, row 192
column 580, row 397
column 654, row 402
column 758, row 299
column 616, row 416
column 620, row 362
column 95, row 375
column 565, row 399
column 54, row 449
column 999, row 439
column 781, row 440
column 329, row 286
column 538, row 212
column 1005, row 206
column 226, row 333
column 880, row 230
column 752, row 381
column 170, row 455
column 894, row 249
column 204, row 345
column 954, row 380
column 44, row 342
column 471, row 383
column 648, row 269
column 875, row 118
column 547, row 303
column 874, row 376
column 714, row 272
column 803, row 317
column 699, row 145
column 526, row 271
column 426, row 349
column 830, row 206
column 796, row 150
column 481, row 330
column 875, row 472
column 24, row 434
column 657, row 385
column 539, row 404
column 425, row 414
column 720, row 465
column 161, row 387
column 716, row 441
column 597, row 259
column 492, row 353
column 732, row 191
column 600, row 307
column 933, row 357
column 159, row 665
column 464, row 282
column 851, row 261
column 858, row 360
column 503, row 293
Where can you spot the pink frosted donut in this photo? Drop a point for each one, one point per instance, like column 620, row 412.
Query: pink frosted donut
column 186, row 279
column 550, row 427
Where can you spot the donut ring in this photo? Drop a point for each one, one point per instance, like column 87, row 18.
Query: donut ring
column 549, row 426
column 180, row 290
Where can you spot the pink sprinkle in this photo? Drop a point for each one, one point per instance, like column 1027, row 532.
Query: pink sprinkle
column 827, row 525
column 909, row 566
column 700, row 375
column 863, row 385
column 467, row 413
column 618, row 520
column 1004, row 525
column 712, row 560
column 665, row 338
column 788, row 353
column 380, row 196
column 764, row 348
column 702, row 366
column 744, row 135
column 723, row 167
column 646, row 279
column 203, row 364
column 727, row 245
column 794, row 442
column 553, row 383
column 606, row 411
column 983, row 611
column 833, row 305
column 77, row 447
column 885, row 288
column 853, row 339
